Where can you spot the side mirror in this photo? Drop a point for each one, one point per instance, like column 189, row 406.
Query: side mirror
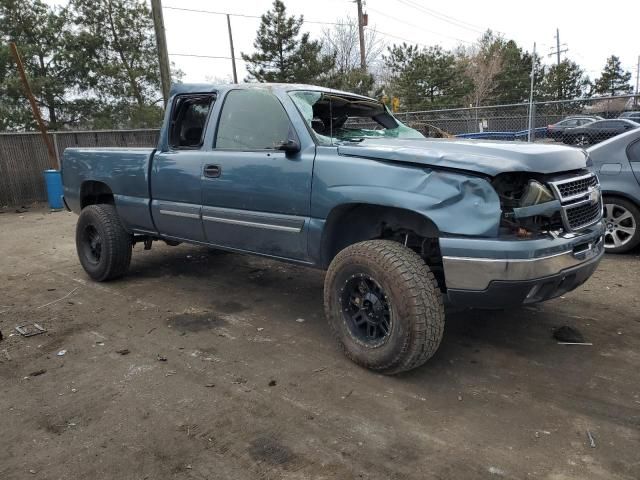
column 289, row 146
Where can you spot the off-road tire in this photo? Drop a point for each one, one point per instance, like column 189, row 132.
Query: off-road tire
column 115, row 241
column 416, row 302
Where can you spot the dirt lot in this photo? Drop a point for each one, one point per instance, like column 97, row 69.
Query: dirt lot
column 254, row 387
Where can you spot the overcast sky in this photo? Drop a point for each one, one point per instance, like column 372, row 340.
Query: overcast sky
column 591, row 33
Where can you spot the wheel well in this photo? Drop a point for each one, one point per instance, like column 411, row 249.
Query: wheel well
column 623, row 196
column 92, row 193
column 353, row 223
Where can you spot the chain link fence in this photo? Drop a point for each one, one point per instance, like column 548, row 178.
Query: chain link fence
column 580, row 122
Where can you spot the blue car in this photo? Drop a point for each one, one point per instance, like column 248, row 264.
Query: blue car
column 617, row 163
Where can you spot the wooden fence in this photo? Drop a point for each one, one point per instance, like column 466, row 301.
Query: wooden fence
column 23, row 158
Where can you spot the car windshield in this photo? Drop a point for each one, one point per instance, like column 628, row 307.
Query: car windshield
column 335, row 118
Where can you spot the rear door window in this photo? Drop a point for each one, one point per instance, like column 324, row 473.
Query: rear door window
column 189, row 120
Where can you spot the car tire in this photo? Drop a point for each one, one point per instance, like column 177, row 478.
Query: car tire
column 622, row 225
column 581, row 140
column 102, row 243
column 377, row 282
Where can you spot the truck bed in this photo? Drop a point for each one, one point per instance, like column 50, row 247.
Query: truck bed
column 125, row 169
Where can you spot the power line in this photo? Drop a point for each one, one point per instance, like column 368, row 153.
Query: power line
column 419, row 27
column 241, row 15
column 443, row 17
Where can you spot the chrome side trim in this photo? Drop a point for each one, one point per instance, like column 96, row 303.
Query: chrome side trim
column 180, row 214
column 246, row 223
column 477, row 273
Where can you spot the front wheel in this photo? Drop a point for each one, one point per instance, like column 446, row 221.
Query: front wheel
column 622, row 220
column 103, row 245
column 383, row 306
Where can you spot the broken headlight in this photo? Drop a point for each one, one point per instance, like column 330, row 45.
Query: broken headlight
column 535, row 193
column 528, row 205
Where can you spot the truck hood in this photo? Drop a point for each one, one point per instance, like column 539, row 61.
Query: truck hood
column 485, row 157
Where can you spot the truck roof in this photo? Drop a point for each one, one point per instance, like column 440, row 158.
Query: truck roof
column 181, row 88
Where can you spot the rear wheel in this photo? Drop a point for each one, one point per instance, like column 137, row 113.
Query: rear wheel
column 383, row 306
column 622, row 225
column 103, row 245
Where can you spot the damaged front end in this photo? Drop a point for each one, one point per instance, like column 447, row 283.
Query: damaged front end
column 536, row 204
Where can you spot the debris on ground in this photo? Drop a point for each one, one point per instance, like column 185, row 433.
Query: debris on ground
column 316, row 370
column 272, row 383
column 568, row 334
column 38, row 372
column 210, row 385
column 344, row 397
column 124, row 351
column 59, row 299
column 30, row 331
column 161, row 358
column 1, row 337
column 592, row 441
column 300, row 320
column 61, row 353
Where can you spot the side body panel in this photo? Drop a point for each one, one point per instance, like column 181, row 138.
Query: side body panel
column 617, row 174
column 124, row 170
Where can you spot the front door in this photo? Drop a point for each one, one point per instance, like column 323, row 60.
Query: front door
column 255, row 197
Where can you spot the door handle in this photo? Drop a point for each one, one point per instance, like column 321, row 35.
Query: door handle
column 212, row 171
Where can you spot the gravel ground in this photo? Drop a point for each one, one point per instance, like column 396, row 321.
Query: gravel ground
column 209, row 365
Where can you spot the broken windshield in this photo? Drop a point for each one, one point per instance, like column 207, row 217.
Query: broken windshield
column 335, row 117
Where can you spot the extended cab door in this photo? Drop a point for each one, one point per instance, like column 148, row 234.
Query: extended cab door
column 176, row 173
column 256, row 197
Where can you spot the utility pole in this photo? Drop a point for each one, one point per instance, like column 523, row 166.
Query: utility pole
column 532, row 134
column 559, row 50
column 233, row 55
column 34, row 106
column 161, row 43
column 363, row 63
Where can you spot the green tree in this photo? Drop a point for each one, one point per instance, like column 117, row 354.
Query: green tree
column 614, row 80
column 115, row 52
column 424, row 77
column 513, row 82
column 40, row 32
column 564, row 81
column 282, row 54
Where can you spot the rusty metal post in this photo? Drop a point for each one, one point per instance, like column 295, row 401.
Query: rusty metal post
column 34, row 106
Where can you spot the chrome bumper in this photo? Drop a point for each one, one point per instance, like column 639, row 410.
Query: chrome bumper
column 465, row 273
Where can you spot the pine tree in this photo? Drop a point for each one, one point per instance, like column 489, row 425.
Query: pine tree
column 565, row 81
column 282, row 55
column 613, row 80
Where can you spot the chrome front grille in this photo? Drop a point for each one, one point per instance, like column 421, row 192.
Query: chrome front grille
column 577, row 187
column 580, row 199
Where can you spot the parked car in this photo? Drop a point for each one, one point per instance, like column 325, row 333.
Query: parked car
column 595, row 132
column 556, row 130
column 617, row 163
column 635, row 116
column 399, row 222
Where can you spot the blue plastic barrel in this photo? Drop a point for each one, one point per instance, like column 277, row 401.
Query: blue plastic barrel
column 53, row 181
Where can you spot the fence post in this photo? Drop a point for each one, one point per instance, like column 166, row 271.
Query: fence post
column 532, row 135
column 55, row 148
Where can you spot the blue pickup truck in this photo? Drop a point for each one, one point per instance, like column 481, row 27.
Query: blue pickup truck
column 332, row 180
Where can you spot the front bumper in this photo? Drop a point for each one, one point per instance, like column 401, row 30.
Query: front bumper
column 499, row 273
